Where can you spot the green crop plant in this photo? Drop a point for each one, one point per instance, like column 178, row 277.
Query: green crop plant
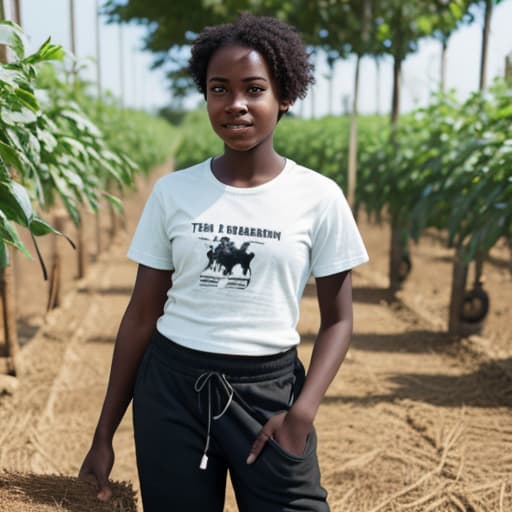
column 58, row 143
column 23, row 138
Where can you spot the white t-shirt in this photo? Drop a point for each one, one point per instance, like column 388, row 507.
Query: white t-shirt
column 242, row 256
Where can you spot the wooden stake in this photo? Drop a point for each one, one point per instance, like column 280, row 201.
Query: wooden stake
column 97, row 225
column 395, row 257
column 352, row 149
column 114, row 222
column 81, row 247
column 9, row 317
column 56, row 264
column 459, row 277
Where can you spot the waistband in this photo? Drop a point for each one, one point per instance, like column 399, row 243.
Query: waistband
column 190, row 361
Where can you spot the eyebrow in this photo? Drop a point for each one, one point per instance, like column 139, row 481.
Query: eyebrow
column 247, row 79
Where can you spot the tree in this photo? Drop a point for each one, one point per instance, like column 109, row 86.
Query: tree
column 488, row 9
column 400, row 27
column 449, row 15
column 170, row 32
column 461, row 263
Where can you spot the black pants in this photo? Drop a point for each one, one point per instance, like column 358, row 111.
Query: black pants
column 181, row 395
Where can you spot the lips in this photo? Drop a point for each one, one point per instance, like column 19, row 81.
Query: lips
column 236, row 126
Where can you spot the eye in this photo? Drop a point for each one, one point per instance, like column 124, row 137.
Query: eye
column 256, row 89
column 217, row 89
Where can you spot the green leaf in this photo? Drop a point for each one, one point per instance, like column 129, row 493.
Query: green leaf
column 9, row 234
column 23, row 199
column 12, row 35
column 66, row 195
column 49, row 51
column 15, row 203
column 81, row 122
column 46, row 52
column 27, row 98
column 114, row 201
column 47, row 139
column 10, row 156
column 39, row 227
column 10, row 77
column 14, row 117
column 75, row 146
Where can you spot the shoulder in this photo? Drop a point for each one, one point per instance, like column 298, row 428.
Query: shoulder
column 316, row 183
column 181, row 179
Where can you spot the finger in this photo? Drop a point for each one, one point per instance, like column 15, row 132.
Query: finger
column 257, row 446
column 105, row 493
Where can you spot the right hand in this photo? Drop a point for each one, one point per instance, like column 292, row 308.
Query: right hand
column 98, row 464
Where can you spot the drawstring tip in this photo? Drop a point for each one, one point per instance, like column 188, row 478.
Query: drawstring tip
column 204, row 462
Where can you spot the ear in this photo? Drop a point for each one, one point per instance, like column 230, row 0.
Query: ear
column 284, row 105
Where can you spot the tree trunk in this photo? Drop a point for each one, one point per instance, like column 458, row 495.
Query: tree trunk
column 114, row 222
column 98, row 53
column 459, row 277
column 313, row 102
column 352, row 149
column 485, row 44
column 395, row 256
column 331, row 92
column 395, row 102
column 3, row 48
column 508, row 68
column 442, row 81
column 56, row 262
column 81, row 248
column 16, row 11
column 121, row 66
column 10, row 10
column 397, row 242
column 377, row 86
column 9, row 317
column 97, row 226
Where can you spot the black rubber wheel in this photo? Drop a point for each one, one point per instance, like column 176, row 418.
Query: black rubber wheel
column 405, row 268
column 475, row 305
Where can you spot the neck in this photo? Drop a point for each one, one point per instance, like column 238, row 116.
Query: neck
column 247, row 168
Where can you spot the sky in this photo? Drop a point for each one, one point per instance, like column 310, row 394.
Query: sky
column 144, row 88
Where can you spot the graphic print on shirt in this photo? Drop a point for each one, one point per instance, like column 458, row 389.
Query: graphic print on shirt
column 228, row 264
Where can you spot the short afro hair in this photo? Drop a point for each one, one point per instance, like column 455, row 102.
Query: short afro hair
column 279, row 44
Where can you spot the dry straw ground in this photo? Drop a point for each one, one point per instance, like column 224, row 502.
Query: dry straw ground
column 49, row 493
column 415, row 421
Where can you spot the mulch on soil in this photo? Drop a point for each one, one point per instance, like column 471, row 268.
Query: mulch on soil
column 29, row 492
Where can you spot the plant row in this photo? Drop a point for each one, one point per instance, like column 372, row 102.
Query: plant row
column 57, row 144
column 450, row 168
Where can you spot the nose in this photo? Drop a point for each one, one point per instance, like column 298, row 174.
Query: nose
column 237, row 104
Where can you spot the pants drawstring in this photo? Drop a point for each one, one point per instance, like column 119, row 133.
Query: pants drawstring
column 205, row 379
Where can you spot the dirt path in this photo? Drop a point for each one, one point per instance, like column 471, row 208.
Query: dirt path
column 412, row 422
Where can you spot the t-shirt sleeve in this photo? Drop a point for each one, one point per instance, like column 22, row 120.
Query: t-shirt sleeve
column 150, row 244
column 337, row 243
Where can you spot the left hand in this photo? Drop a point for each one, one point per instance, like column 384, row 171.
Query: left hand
column 287, row 429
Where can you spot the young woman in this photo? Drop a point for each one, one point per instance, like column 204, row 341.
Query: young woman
column 207, row 346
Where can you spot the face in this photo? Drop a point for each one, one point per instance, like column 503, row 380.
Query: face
column 241, row 98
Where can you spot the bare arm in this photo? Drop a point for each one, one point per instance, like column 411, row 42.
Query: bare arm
column 332, row 342
column 335, row 302
column 137, row 325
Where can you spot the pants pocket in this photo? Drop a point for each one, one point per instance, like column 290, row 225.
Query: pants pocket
column 308, row 450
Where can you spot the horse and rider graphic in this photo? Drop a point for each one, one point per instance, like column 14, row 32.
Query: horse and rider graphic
column 223, row 259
